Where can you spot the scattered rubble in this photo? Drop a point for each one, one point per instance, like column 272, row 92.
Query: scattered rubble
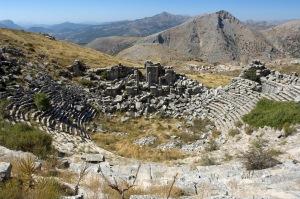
column 146, row 141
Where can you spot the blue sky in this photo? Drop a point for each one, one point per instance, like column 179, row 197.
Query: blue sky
column 56, row 11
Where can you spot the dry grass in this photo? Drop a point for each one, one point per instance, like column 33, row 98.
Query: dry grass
column 288, row 69
column 161, row 191
column 94, row 184
column 134, row 129
column 67, row 176
column 211, row 80
column 127, row 149
column 58, row 52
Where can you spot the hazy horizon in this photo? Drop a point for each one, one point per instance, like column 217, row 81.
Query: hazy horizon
column 33, row 12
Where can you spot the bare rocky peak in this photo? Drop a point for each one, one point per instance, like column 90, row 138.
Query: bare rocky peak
column 215, row 37
column 223, row 14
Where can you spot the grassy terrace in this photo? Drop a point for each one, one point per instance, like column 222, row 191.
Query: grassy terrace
column 273, row 114
column 120, row 136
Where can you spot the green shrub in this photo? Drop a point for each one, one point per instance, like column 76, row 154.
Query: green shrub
column 187, row 137
column 11, row 189
column 3, row 111
column 227, row 157
column 249, row 130
column 238, row 124
column 288, row 130
column 274, row 152
column 216, row 134
column 43, row 188
column 104, row 75
column 259, row 156
column 47, row 189
column 212, row 145
column 26, row 185
column 25, row 138
column 207, row 161
column 233, row 132
column 273, row 114
column 87, row 83
column 41, row 101
column 251, row 75
column 199, row 125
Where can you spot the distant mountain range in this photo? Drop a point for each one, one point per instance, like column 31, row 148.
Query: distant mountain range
column 61, row 31
column 215, row 37
column 82, row 33
column 9, row 24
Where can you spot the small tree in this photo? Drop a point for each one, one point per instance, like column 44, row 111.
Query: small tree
column 259, row 156
column 251, row 75
column 172, row 186
column 83, row 172
column 120, row 188
column 41, row 101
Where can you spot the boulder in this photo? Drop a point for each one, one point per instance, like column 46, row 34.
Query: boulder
column 94, row 158
column 5, row 171
column 145, row 197
column 73, row 197
column 77, row 68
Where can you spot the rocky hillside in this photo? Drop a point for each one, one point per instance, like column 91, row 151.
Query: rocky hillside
column 216, row 37
column 286, row 37
column 37, row 47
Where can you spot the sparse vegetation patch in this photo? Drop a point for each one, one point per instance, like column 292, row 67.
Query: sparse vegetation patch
column 273, row 114
column 41, row 101
column 259, row 156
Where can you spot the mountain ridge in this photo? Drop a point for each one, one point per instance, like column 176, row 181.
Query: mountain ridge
column 215, row 37
column 82, row 33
